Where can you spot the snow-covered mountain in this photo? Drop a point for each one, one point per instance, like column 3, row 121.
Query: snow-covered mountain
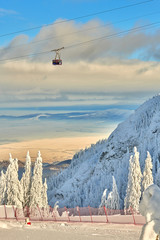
column 91, row 170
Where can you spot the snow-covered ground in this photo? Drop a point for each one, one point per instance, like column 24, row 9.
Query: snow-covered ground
column 64, row 231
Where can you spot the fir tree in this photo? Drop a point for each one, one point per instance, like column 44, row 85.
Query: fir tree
column 133, row 192
column 115, row 196
column 14, row 191
column 8, row 179
column 130, row 183
column 37, row 185
column 103, row 199
column 147, row 174
column 26, row 181
column 109, row 201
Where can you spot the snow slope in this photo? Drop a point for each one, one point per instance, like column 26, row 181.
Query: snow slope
column 60, row 231
column 91, row 170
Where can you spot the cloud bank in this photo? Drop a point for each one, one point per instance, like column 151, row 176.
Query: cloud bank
column 108, row 71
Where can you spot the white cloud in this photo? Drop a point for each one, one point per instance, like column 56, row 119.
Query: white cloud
column 42, row 83
column 69, row 34
column 95, row 69
column 4, row 12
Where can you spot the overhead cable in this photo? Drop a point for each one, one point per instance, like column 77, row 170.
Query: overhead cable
column 145, row 27
column 84, row 30
column 76, row 18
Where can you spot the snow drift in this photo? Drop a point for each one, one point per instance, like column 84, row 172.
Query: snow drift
column 149, row 207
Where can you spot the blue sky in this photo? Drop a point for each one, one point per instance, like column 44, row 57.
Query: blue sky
column 17, row 15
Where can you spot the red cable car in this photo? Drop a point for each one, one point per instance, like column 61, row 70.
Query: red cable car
column 57, row 60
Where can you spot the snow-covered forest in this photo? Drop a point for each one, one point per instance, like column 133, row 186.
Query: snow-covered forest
column 112, row 173
column 137, row 183
column 29, row 191
column 91, row 170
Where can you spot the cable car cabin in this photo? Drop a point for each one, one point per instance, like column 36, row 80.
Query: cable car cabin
column 57, row 62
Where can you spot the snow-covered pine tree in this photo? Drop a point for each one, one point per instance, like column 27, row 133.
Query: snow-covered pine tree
column 129, row 185
column 26, row 181
column 14, row 190
column 8, row 180
column 109, row 200
column 133, row 192
column 2, row 187
column 123, row 171
column 37, row 185
column 147, row 174
column 103, row 199
column 115, row 196
column 44, row 195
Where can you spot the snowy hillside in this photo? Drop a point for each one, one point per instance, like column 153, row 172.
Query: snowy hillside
column 91, row 170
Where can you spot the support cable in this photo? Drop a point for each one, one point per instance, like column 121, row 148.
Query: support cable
column 76, row 18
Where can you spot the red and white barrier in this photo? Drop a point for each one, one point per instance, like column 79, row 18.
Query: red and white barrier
column 78, row 214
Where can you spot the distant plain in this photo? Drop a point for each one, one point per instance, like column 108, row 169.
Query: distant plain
column 52, row 150
column 57, row 132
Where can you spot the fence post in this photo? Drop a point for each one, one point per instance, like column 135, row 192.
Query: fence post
column 79, row 214
column 133, row 215
column 5, row 211
column 15, row 212
column 67, row 214
column 40, row 213
column 105, row 210
column 90, row 214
